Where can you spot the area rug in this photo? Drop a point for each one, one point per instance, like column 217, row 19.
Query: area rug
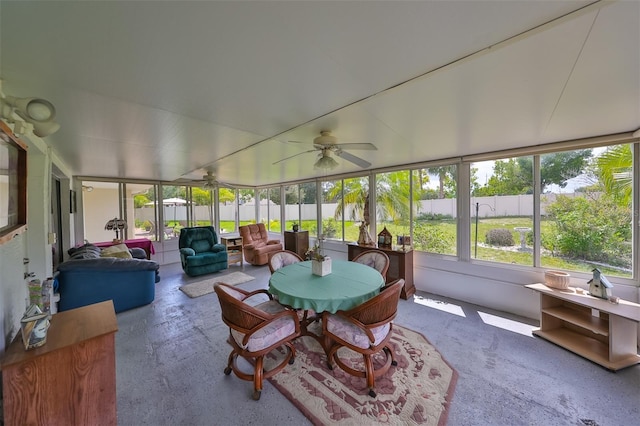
column 418, row 391
column 201, row 288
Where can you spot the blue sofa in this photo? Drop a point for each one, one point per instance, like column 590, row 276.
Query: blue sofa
column 200, row 251
column 128, row 282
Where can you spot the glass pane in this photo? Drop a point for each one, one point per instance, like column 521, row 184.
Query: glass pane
column 247, row 206
column 332, row 208
column 292, row 206
column 100, row 203
column 308, row 208
column 502, row 210
column 392, row 205
column 587, row 210
column 274, row 224
column 141, row 210
column 174, row 205
column 263, row 195
column 228, row 210
column 202, row 206
column 435, row 210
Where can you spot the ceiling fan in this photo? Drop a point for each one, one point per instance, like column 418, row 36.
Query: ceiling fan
column 208, row 182
column 327, row 144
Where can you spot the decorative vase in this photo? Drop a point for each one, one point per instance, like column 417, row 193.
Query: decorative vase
column 295, row 227
column 321, row 267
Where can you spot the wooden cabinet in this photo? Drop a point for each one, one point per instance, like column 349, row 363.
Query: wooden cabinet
column 71, row 380
column 297, row 242
column 234, row 249
column 593, row 328
column 400, row 266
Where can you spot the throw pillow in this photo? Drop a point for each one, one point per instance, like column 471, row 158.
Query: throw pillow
column 118, row 250
column 86, row 251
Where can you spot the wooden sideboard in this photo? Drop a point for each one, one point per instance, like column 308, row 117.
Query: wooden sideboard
column 70, row 380
column 593, row 328
column 400, row 265
column 297, row 242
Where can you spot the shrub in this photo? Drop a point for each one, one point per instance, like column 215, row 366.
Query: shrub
column 433, row 239
column 329, row 228
column 590, row 229
column 433, row 216
column 499, row 237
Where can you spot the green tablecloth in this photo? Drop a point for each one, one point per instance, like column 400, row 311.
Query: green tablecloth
column 348, row 285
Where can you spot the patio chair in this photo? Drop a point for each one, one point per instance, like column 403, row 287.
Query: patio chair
column 365, row 329
column 254, row 331
column 376, row 259
column 282, row 258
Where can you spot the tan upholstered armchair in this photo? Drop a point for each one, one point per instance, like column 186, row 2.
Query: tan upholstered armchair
column 256, row 244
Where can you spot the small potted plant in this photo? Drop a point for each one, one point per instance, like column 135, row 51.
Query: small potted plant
column 320, row 264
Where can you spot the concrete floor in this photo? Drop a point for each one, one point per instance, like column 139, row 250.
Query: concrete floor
column 171, row 355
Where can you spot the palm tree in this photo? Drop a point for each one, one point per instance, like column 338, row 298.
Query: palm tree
column 392, row 193
column 615, row 172
column 441, row 173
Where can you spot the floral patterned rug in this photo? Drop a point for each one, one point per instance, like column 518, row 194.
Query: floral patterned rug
column 418, row 391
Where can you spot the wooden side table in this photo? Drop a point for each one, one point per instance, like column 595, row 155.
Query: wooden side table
column 400, row 265
column 297, row 242
column 70, row 380
column 234, row 249
column 593, row 328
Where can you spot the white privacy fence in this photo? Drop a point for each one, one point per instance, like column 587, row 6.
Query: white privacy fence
column 494, row 206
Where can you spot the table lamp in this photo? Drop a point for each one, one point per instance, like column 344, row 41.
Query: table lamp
column 116, row 224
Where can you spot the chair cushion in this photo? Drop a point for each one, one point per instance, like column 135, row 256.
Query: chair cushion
column 280, row 260
column 373, row 261
column 272, row 333
column 353, row 334
column 200, row 246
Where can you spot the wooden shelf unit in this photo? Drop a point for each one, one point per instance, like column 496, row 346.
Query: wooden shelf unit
column 400, row 265
column 71, row 379
column 297, row 242
column 593, row 328
column 234, row 249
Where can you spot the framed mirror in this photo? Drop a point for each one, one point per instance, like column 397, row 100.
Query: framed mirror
column 13, row 185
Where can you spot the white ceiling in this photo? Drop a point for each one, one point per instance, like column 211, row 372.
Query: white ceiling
column 166, row 90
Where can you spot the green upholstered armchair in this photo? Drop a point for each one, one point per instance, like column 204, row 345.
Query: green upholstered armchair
column 200, row 251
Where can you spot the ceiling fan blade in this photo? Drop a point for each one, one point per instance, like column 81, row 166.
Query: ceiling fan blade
column 366, row 146
column 300, row 153
column 355, row 160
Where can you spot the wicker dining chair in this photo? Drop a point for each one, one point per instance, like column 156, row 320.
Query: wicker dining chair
column 282, row 258
column 365, row 329
column 376, row 259
column 254, row 331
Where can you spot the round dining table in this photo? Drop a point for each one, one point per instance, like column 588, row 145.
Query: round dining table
column 348, row 285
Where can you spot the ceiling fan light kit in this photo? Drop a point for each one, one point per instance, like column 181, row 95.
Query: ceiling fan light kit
column 326, row 161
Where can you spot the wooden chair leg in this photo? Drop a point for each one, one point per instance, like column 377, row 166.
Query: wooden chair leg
column 257, row 378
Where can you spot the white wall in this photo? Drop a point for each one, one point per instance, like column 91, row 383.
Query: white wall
column 33, row 243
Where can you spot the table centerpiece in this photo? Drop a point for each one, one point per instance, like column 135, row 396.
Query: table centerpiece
column 320, row 264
